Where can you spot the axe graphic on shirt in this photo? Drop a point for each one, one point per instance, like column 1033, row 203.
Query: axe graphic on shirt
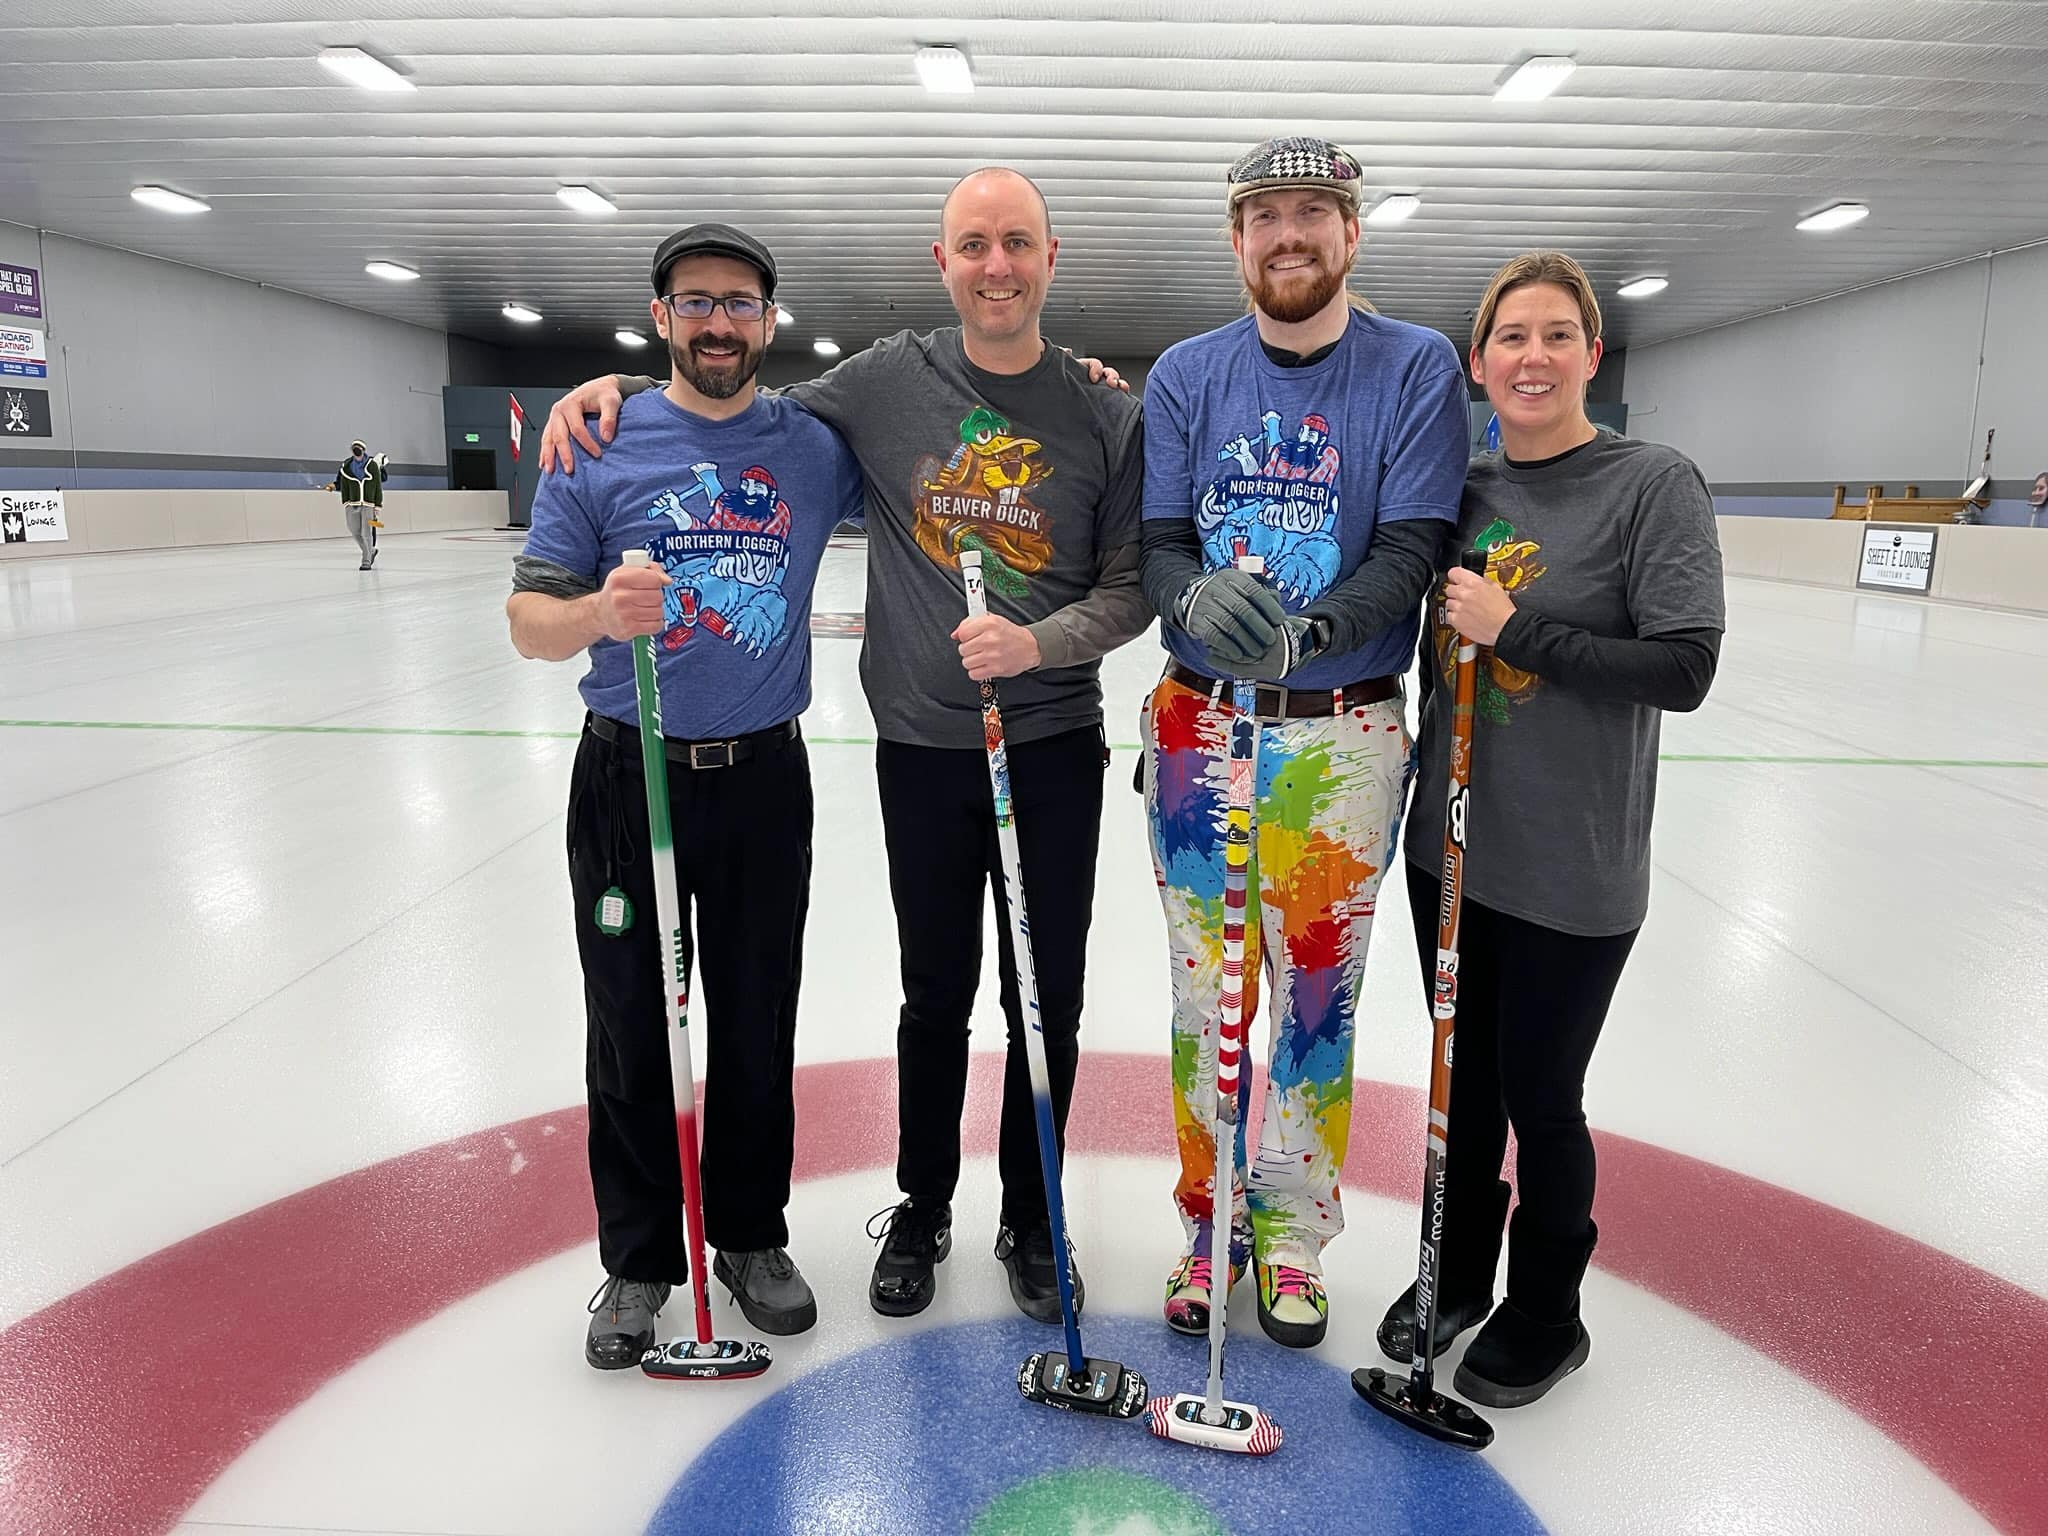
column 1240, row 449
column 708, row 484
column 684, row 598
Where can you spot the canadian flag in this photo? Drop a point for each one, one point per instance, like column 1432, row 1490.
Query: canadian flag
column 518, row 421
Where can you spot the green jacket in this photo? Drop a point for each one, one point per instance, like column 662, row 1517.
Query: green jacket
column 367, row 490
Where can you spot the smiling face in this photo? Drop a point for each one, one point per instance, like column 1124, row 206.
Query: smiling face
column 996, row 252
column 1294, row 248
column 2039, row 497
column 717, row 356
column 1534, row 365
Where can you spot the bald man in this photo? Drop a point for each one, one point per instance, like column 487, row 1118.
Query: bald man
column 980, row 437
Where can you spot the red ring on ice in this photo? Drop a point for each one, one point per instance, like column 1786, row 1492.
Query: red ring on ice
column 125, row 1401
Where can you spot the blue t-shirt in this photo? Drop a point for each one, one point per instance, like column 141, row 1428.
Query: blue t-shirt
column 738, row 512
column 1299, row 465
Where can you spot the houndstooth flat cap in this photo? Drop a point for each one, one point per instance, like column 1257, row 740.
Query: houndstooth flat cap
column 1296, row 162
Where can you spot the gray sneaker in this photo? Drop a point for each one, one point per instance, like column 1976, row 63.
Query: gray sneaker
column 770, row 1289
column 622, row 1315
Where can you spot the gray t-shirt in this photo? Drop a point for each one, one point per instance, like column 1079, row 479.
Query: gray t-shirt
column 1042, row 471
column 1618, row 539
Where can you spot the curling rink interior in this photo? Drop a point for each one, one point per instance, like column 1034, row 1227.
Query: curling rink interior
column 295, row 1230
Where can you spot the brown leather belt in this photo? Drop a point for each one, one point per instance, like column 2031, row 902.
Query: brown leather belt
column 722, row 753
column 1277, row 703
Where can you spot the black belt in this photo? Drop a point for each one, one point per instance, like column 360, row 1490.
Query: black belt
column 721, row 753
column 1274, row 702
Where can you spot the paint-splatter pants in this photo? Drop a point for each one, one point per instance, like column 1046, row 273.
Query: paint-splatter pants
column 1323, row 827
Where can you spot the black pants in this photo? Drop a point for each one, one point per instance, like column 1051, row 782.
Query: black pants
column 938, row 821
column 1531, row 1001
column 743, row 861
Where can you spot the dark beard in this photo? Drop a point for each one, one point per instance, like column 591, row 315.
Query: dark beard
column 719, row 382
column 1296, row 303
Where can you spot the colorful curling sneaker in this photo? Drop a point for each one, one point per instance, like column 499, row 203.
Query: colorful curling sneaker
column 1293, row 1307
column 1187, row 1292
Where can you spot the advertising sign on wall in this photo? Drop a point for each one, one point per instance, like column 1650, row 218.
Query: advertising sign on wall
column 22, row 353
column 32, row 517
column 24, row 412
column 1897, row 559
column 20, row 292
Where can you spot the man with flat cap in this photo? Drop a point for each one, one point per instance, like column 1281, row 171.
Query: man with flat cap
column 733, row 494
column 1331, row 442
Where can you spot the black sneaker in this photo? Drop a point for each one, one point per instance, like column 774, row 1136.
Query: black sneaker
column 1027, row 1258
column 916, row 1235
column 770, row 1290
column 1397, row 1328
column 1515, row 1359
column 622, row 1315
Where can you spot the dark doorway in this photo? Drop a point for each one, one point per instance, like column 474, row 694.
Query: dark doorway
column 472, row 469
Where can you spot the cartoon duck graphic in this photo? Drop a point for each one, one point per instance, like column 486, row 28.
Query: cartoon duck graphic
column 978, row 500
column 1513, row 563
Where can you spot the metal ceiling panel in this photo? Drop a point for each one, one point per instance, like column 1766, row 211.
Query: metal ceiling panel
column 1681, row 146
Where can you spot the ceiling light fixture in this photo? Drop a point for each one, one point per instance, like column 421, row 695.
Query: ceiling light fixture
column 945, row 70
column 164, row 200
column 630, row 338
column 1395, row 208
column 391, row 272
column 1839, row 216
column 521, row 313
column 784, row 316
column 1643, row 287
column 587, row 200
column 825, row 346
column 362, row 71
column 1536, row 79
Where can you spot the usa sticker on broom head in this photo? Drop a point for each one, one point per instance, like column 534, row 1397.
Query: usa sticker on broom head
column 1240, row 1427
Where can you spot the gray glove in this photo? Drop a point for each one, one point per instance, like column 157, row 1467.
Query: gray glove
column 1234, row 616
column 1299, row 640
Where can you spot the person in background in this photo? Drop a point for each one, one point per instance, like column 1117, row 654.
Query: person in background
column 360, row 480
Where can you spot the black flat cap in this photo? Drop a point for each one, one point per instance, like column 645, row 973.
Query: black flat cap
column 714, row 240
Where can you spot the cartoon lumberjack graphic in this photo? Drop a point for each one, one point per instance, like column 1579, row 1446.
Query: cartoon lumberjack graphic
column 727, row 564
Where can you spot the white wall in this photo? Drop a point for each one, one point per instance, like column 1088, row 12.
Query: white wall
column 98, row 521
column 1877, row 386
column 169, row 364
column 1982, row 566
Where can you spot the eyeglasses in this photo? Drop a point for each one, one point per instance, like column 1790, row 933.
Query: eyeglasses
column 739, row 307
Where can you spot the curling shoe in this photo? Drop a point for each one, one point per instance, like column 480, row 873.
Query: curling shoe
column 1034, row 1285
column 770, row 1289
column 622, row 1315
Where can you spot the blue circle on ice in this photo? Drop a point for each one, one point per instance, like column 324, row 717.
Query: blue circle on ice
column 926, row 1433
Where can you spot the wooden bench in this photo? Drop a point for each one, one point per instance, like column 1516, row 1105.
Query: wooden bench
column 1876, row 507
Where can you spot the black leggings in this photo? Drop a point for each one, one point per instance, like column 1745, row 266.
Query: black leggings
column 1531, row 1001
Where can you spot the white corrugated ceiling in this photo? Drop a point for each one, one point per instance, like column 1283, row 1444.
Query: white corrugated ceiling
column 1690, row 138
